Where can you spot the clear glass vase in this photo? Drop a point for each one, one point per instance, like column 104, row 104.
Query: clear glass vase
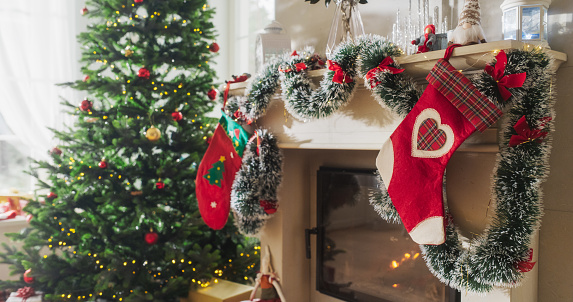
column 346, row 25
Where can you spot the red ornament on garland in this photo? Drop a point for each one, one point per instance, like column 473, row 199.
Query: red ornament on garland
column 102, row 164
column 137, row 1
column 160, row 185
column 504, row 81
column 143, row 73
column 56, row 151
column 52, row 195
column 340, row 76
column 84, row 11
column 270, row 207
column 212, row 94
column 177, row 116
column 151, row 238
column 27, row 278
column 86, row 105
column 86, row 78
column 214, row 47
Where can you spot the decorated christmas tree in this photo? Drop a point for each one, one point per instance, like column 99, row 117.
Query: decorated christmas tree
column 119, row 220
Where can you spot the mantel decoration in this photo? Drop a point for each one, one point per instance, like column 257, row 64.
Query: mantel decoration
column 346, row 24
column 500, row 255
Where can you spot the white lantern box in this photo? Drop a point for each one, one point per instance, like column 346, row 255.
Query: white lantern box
column 525, row 21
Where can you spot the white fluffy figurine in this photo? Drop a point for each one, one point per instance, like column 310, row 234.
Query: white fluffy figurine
column 268, row 281
column 469, row 29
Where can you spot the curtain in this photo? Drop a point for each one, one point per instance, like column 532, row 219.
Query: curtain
column 37, row 50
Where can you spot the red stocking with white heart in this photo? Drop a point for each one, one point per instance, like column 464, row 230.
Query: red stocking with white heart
column 412, row 162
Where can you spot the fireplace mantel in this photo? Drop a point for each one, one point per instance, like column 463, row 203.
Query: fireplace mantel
column 365, row 125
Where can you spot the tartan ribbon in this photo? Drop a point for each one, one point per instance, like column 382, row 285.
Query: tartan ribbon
column 503, row 80
column 25, row 293
column 463, row 95
column 525, row 134
column 340, row 76
column 384, row 65
column 430, row 138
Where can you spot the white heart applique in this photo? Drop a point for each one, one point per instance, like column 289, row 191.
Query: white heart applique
column 431, row 138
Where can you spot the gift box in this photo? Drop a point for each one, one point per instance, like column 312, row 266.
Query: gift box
column 14, row 202
column 27, row 296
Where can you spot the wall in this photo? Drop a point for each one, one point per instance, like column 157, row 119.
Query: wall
column 309, row 25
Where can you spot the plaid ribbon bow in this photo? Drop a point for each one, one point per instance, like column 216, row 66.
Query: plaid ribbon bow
column 339, row 75
column 384, row 65
column 504, row 81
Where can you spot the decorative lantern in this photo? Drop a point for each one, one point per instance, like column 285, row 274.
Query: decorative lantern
column 271, row 43
column 525, row 20
column 346, row 24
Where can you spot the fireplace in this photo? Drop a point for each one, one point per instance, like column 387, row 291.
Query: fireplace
column 361, row 257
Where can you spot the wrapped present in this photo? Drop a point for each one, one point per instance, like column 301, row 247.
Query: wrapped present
column 14, row 202
column 26, row 294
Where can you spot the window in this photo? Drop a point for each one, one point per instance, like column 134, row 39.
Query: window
column 14, row 159
column 237, row 23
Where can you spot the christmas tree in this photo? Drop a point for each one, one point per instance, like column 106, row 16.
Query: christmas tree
column 119, row 220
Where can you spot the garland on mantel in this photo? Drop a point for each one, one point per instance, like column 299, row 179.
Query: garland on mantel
column 500, row 255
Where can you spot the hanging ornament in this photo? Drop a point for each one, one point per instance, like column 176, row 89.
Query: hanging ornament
column 52, row 195
column 214, row 47
column 102, row 164
column 84, row 11
column 86, row 78
column 138, row 1
column 143, row 73
column 177, row 116
column 160, row 185
column 151, row 238
column 212, row 94
column 56, row 151
column 128, row 52
column 86, row 105
column 27, row 278
column 153, row 134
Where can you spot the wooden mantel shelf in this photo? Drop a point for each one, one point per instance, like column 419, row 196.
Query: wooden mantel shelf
column 363, row 124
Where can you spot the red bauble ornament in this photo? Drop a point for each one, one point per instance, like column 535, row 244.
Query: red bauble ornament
column 160, row 185
column 84, row 11
column 143, row 73
column 177, row 116
column 212, row 94
column 86, row 78
column 151, row 238
column 56, row 151
column 214, row 47
column 137, row 1
column 27, row 278
column 102, row 164
column 52, row 195
column 86, row 105
column 270, row 207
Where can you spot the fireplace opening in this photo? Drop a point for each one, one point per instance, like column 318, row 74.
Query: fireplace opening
column 361, row 257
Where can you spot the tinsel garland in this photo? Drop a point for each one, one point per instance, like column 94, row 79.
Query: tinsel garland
column 254, row 191
column 494, row 257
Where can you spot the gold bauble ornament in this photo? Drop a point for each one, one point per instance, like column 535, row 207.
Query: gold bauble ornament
column 128, row 52
column 153, row 134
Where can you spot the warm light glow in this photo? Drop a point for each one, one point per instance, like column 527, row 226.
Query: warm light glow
column 394, row 264
column 395, row 285
column 416, row 255
column 407, row 256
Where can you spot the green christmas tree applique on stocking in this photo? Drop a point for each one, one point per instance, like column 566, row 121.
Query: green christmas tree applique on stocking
column 217, row 171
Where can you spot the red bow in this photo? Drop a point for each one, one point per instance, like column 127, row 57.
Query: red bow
column 504, row 81
column 526, row 265
column 299, row 67
column 238, row 79
column 25, row 293
column 525, row 134
column 339, row 75
column 384, row 65
column 269, row 206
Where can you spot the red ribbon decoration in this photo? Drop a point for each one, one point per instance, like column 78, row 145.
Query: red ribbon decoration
column 525, row 134
column 384, row 65
column 238, row 79
column 269, row 206
column 299, row 67
column 25, row 293
column 339, row 75
column 504, row 81
column 526, row 265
